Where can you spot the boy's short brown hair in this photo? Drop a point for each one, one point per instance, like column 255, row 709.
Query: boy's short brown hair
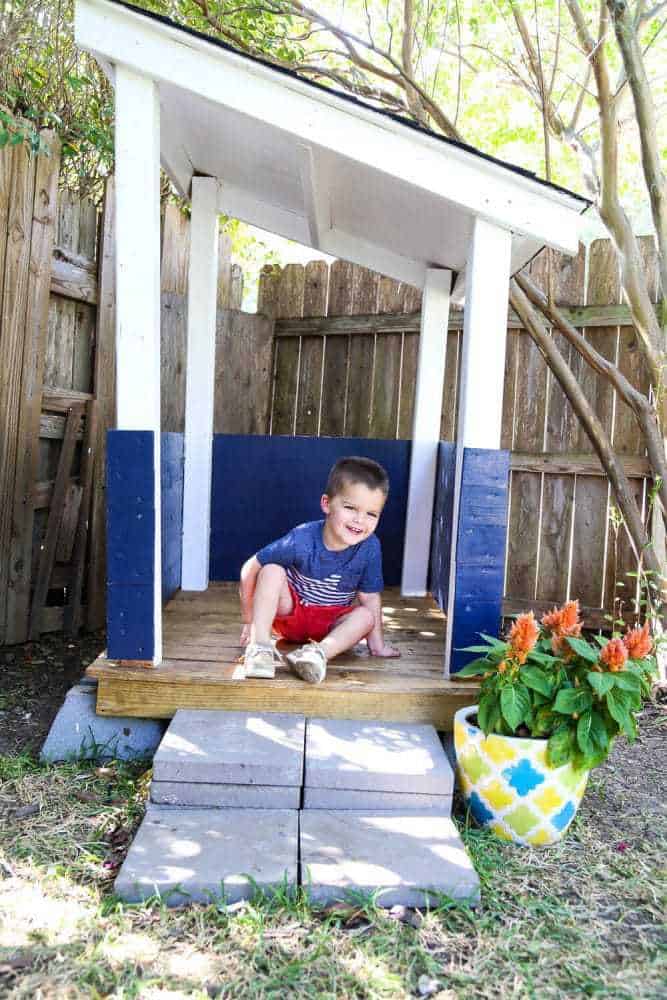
column 355, row 469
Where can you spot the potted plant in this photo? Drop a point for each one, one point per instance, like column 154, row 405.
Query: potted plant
column 550, row 706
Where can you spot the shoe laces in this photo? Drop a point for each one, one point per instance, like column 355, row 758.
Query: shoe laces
column 263, row 651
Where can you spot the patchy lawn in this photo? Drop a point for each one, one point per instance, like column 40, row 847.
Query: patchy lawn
column 586, row 918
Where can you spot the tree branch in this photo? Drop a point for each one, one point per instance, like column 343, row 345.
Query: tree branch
column 593, row 427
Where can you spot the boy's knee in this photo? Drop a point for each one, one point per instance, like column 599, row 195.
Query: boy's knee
column 273, row 572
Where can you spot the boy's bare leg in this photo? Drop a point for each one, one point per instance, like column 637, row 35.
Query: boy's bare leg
column 350, row 629
column 272, row 597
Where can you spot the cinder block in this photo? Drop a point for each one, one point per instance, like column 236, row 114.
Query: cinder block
column 402, row 802
column 196, row 855
column 411, row 860
column 77, row 731
column 218, row 796
column 376, row 757
column 234, row 748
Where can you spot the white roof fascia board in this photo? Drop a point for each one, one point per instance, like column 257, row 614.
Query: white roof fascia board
column 479, row 186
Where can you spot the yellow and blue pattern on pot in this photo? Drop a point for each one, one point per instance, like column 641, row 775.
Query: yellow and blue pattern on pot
column 510, row 788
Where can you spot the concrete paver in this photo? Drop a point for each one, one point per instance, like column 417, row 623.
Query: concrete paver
column 194, row 855
column 236, row 748
column 77, row 731
column 346, row 798
column 410, row 860
column 376, row 757
column 223, row 796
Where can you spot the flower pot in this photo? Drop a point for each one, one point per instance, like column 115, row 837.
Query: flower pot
column 509, row 786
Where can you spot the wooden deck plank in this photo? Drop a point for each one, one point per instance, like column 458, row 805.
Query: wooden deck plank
column 201, row 669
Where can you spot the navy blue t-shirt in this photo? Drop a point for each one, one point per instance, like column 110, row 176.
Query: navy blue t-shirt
column 320, row 575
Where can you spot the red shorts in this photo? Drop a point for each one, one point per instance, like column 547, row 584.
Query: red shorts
column 309, row 621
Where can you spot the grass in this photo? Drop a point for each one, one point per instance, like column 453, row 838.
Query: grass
column 585, row 918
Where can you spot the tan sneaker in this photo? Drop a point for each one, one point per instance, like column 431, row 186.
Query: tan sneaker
column 260, row 660
column 309, row 663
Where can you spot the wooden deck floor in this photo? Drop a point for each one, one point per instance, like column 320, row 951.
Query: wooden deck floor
column 201, row 666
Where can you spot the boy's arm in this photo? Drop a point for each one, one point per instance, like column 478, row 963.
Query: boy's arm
column 375, row 638
column 249, row 573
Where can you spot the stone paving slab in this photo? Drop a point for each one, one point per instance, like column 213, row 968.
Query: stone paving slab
column 235, row 748
column 409, row 860
column 218, row 796
column 345, row 798
column 77, row 731
column 376, row 756
column 194, row 855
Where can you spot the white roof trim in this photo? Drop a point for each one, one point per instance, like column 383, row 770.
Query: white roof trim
column 322, row 122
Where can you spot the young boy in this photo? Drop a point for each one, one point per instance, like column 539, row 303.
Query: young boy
column 320, row 584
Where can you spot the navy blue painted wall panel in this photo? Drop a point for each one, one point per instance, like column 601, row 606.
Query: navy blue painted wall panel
column 171, row 488
column 130, row 544
column 480, row 556
column 263, row 486
column 441, row 536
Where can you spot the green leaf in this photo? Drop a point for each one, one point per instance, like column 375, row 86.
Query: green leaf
column 627, row 681
column 475, row 668
column 617, row 703
column 584, row 732
column 571, row 700
column 514, row 704
column 582, row 649
column 601, row 683
column 498, row 643
column 488, row 712
column 560, row 747
column 536, row 679
column 4, row 137
column 598, row 731
column 474, row 649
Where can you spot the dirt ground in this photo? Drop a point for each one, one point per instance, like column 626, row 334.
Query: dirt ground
column 34, row 679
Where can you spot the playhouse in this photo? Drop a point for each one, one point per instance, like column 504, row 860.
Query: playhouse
column 240, row 136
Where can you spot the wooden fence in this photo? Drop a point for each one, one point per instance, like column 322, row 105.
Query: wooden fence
column 345, row 363
column 57, row 322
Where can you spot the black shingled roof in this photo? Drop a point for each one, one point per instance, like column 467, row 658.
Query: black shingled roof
column 407, row 122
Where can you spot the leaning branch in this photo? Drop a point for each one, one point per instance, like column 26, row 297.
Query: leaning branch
column 592, row 425
column 639, row 404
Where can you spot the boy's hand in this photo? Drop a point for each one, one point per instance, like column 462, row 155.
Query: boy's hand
column 384, row 649
column 245, row 635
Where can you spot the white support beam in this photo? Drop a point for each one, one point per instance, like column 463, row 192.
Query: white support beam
column 482, row 374
column 321, row 119
column 200, row 383
column 358, row 251
column 138, row 280
column 426, row 431
column 317, row 207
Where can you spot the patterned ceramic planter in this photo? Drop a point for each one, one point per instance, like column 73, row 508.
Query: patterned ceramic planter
column 509, row 786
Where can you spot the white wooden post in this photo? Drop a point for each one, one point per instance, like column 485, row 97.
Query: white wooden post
column 426, row 431
column 482, row 375
column 200, row 383
column 138, row 280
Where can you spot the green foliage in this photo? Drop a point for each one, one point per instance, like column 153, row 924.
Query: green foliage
column 576, row 694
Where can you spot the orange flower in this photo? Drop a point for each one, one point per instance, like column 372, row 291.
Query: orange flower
column 570, row 624
column 563, row 621
column 614, row 655
column 553, row 619
column 502, row 667
column 638, row 642
column 523, row 636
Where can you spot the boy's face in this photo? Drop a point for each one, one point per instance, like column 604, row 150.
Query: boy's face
column 351, row 515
